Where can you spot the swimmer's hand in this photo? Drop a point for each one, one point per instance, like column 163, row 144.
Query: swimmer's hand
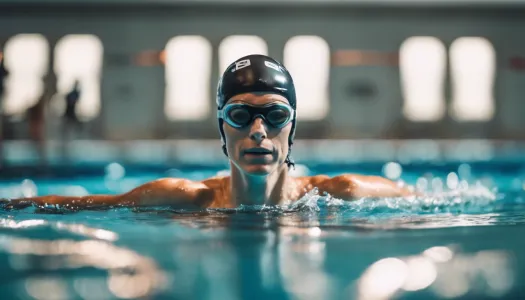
column 178, row 193
column 350, row 187
column 9, row 204
column 51, row 201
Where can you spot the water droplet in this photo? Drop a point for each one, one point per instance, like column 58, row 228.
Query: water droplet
column 115, row 171
column 464, row 171
column 28, row 188
column 452, row 180
column 392, row 170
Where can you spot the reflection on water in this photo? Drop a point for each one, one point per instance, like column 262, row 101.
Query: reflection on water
column 61, row 226
column 129, row 275
column 256, row 255
column 448, row 274
column 301, row 255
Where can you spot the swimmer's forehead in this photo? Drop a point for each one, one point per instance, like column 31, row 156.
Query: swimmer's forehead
column 258, row 98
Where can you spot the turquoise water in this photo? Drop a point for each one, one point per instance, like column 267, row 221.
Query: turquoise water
column 464, row 240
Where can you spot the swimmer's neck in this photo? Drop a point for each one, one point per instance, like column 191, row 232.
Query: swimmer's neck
column 258, row 190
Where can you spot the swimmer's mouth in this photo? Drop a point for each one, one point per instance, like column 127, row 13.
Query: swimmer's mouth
column 257, row 151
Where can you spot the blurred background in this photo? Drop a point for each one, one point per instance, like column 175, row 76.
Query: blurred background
column 125, row 90
column 97, row 79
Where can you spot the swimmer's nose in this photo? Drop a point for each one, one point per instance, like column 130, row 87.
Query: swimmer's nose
column 258, row 130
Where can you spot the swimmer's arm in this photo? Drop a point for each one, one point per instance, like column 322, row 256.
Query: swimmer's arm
column 180, row 193
column 350, row 187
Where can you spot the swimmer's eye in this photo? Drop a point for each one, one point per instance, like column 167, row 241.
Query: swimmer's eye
column 278, row 116
column 239, row 115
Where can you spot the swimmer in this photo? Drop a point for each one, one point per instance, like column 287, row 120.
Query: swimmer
column 256, row 113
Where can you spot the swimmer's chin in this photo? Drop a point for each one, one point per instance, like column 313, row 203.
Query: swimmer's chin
column 258, row 170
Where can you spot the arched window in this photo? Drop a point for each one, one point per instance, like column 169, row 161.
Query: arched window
column 422, row 65
column 26, row 58
column 236, row 46
column 78, row 57
column 188, row 71
column 473, row 65
column 308, row 60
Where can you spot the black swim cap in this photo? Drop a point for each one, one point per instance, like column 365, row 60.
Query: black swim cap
column 256, row 73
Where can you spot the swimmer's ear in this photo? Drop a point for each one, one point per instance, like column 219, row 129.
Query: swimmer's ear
column 289, row 161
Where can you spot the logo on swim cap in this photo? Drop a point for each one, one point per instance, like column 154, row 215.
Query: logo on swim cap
column 241, row 64
column 246, row 63
column 272, row 65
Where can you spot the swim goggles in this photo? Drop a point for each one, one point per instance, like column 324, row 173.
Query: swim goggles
column 239, row 115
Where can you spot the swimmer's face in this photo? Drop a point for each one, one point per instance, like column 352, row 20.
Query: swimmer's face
column 259, row 148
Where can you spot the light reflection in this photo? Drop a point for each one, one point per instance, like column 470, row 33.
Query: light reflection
column 439, row 254
column 301, row 255
column 79, row 229
column 496, row 270
column 422, row 274
column 314, row 232
column 141, row 272
column 8, row 223
column 267, row 261
column 444, row 221
column 451, row 285
column 46, row 288
column 91, row 288
column 83, row 230
column 447, row 274
column 212, row 259
column 383, row 279
column 129, row 286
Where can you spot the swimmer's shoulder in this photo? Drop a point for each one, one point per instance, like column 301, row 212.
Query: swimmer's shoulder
column 310, row 182
column 211, row 192
column 218, row 187
column 352, row 186
column 305, row 184
column 172, row 191
column 216, row 182
column 347, row 179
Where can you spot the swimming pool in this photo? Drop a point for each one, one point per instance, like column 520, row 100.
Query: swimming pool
column 465, row 241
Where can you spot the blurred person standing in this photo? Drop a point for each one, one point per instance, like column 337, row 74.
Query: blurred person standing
column 3, row 74
column 36, row 118
column 70, row 117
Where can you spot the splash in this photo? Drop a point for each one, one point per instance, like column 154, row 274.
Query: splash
column 435, row 196
column 464, row 198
